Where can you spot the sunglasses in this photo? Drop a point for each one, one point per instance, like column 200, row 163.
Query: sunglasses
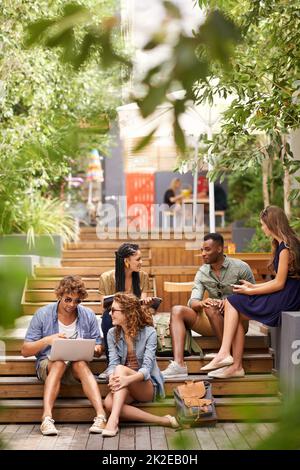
column 116, row 310
column 219, row 291
column 69, row 300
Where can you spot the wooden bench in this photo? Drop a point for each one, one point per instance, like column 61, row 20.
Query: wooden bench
column 178, row 286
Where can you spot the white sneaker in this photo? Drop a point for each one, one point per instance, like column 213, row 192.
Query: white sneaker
column 47, row 427
column 103, row 377
column 175, row 371
column 99, row 424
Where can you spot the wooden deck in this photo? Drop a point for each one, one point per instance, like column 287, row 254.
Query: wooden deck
column 224, row 436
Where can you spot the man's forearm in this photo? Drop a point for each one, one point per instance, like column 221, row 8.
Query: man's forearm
column 32, row 348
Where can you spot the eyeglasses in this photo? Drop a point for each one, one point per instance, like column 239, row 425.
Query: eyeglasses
column 116, row 310
column 69, row 300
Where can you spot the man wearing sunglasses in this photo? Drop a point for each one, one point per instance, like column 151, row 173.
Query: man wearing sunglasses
column 205, row 315
column 65, row 318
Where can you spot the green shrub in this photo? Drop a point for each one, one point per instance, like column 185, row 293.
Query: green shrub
column 37, row 215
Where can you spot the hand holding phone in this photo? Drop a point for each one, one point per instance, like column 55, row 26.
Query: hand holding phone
column 235, row 286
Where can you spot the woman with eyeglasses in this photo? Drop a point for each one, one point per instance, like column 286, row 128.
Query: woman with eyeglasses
column 133, row 371
column 126, row 277
column 261, row 302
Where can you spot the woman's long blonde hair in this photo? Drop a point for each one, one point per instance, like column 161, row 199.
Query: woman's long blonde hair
column 173, row 183
column 137, row 316
column 277, row 222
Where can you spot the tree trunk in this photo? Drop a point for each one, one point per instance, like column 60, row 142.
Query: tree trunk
column 286, row 192
column 286, row 181
column 265, row 174
column 271, row 179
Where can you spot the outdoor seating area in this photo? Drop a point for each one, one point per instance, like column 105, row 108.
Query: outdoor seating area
column 149, row 228
column 21, row 392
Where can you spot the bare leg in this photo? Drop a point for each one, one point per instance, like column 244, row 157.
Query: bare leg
column 119, row 402
column 182, row 318
column 83, row 373
column 216, row 321
column 237, row 351
column 52, row 385
column 132, row 413
column 231, row 321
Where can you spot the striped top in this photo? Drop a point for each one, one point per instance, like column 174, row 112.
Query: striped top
column 131, row 361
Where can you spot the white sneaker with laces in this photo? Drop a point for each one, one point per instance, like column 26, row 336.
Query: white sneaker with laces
column 175, row 371
column 99, row 424
column 103, row 377
column 47, row 427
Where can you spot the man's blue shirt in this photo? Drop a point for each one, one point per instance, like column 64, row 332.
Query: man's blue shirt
column 45, row 323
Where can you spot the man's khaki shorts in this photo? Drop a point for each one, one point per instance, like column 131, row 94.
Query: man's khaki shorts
column 203, row 326
column 67, row 379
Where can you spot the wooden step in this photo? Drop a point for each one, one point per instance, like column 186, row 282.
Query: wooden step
column 114, row 244
column 101, row 245
column 52, row 283
column 101, row 262
column 31, row 387
column 255, row 344
column 96, row 253
column 121, row 233
column 142, row 237
column 44, row 295
column 253, row 363
column 42, row 271
column 92, row 229
column 81, row 410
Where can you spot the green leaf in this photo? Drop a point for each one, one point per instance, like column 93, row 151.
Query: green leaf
column 179, row 136
column 156, row 40
column 78, row 59
column 63, row 38
column 294, row 194
column 144, row 141
column 219, row 33
column 172, row 9
column 155, row 97
column 36, row 31
column 73, row 8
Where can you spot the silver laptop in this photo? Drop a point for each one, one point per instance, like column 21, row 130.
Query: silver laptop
column 72, row 349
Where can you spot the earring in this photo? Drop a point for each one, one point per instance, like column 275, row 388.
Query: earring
column 126, row 264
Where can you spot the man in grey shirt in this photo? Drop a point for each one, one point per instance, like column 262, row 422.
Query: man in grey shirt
column 205, row 316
